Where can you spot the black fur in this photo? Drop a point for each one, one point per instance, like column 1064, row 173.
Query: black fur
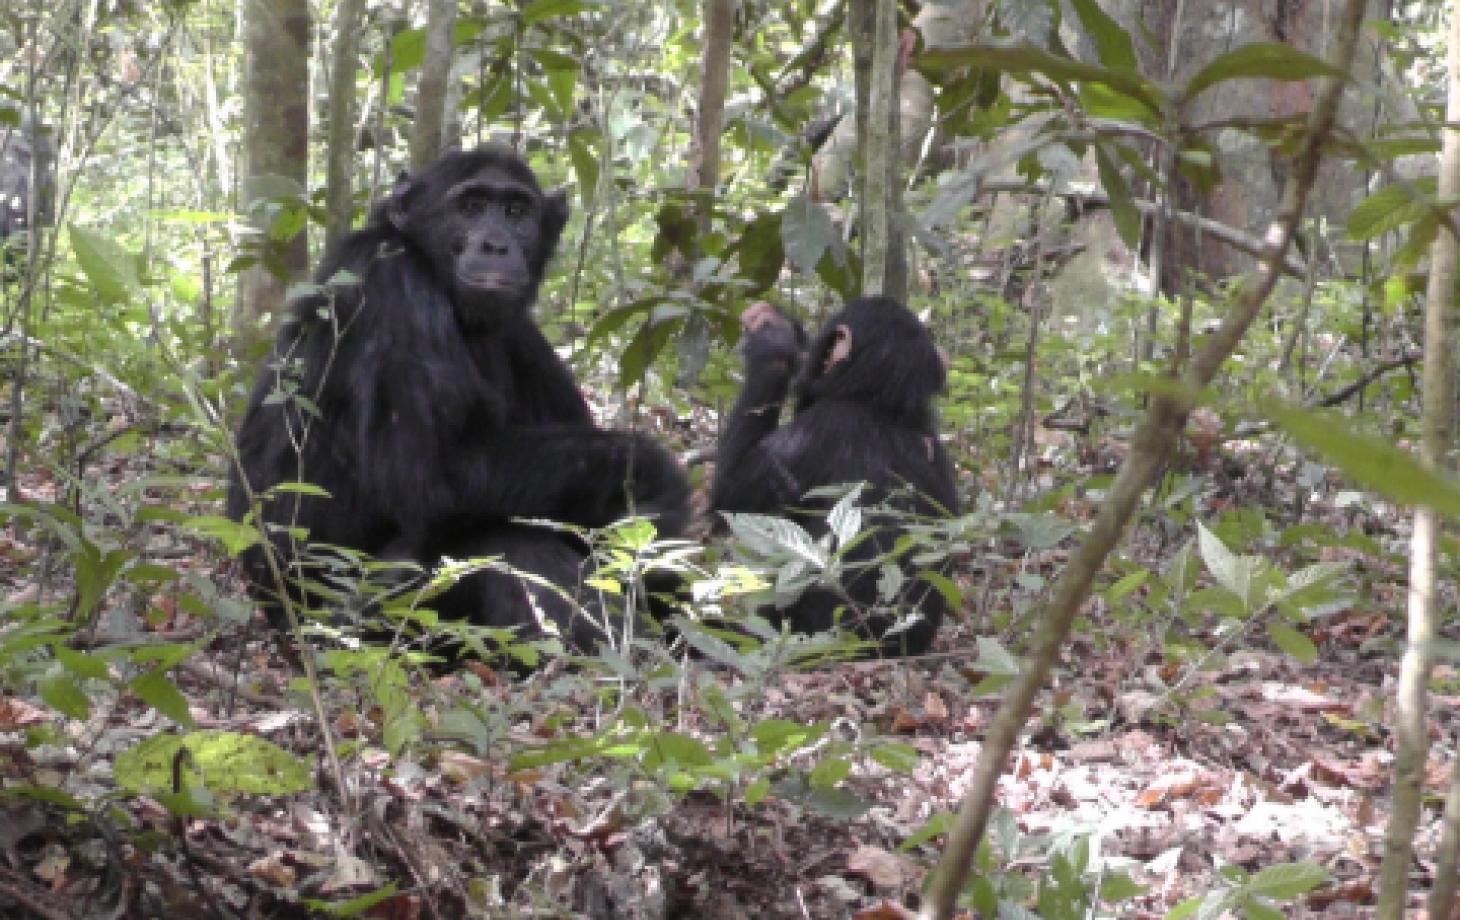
column 866, row 418
column 433, row 408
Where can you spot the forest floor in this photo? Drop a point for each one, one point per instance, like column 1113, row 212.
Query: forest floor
column 1266, row 761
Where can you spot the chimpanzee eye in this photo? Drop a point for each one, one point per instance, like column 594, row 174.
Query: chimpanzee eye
column 516, row 209
column 472, row 205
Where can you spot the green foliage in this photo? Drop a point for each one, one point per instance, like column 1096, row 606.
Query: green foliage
column 217, row 761
column 1253, row 895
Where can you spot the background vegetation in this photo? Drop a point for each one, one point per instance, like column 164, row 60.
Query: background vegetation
column 1193, row 265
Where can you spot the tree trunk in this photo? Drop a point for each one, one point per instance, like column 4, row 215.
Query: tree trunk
column 339, row 194
column 704, row 161
column 431, row 95
column 276, row 146
column 884, row 257
column 1412, row 743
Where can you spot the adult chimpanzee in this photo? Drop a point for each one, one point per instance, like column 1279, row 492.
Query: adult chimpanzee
column 864, row 413
column 414, row 388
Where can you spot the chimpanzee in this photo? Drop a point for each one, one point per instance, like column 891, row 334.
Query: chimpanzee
column 864, row 413
column 414, row 388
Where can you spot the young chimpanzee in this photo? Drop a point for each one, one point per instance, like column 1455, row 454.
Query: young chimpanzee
column 864, row 413
column 414, row 388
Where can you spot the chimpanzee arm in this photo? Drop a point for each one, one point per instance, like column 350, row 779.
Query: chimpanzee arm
column 430, row 460
column 751, row 473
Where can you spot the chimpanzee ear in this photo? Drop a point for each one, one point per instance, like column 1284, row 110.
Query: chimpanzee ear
column 395, row 205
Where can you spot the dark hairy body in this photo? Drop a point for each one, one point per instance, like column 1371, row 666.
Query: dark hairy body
column 864, row 391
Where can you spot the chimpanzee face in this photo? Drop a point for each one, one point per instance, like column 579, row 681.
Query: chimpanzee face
column 488, row 233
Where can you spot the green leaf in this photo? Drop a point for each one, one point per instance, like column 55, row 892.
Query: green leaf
column 81, row 664
column 993, row 658
column 161, row 694
column 767, row 535
column 806, row 232
column 775, row 736
column 234, row 535
column 585, row 146
column 895, row 756
column 1369, row 461
column 111, row 270
column 1270, row 60
column 755, row 793
column 676, row 748
column 761, row 251
column 1122, row 208
column 1112, row 43
column 830, row 772
column 1118, row 886
column 1287, row 881
column 1233, row 572
column 222, row 761
column 60, row 691
column 1390, row 208
column 1293, row 642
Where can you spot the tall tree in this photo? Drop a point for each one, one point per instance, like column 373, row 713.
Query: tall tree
column 427, row 141
column 276, row 144
column 340, row 156
column 876, row 54
column 704, row 159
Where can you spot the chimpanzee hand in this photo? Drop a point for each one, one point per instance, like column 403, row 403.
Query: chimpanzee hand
column 771, row 335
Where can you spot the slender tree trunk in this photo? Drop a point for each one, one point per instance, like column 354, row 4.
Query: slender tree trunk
column 704, row 161
column 339, row 194
column 1151, row 448
column 884, row 256
column 1411, row 741
column 276, row 146
column 426, row 142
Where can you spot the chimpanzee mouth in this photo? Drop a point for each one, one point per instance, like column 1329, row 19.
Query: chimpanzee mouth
column 486, row 282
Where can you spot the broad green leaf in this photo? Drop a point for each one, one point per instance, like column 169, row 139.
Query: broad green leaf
column 223, row 761
column 1288, row 881
column 161, row 694
column 674, row 747
column 111, row 270
column 60, row 691
column 1233, row 572
column 235, row 536
column 81, row 664
column 830, row 772
column 806, row 232
column 1292, row 642
column 1369, row 461
column 1270, row 60
column 766, row 535
column 1390, row 208
column 993, row 658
